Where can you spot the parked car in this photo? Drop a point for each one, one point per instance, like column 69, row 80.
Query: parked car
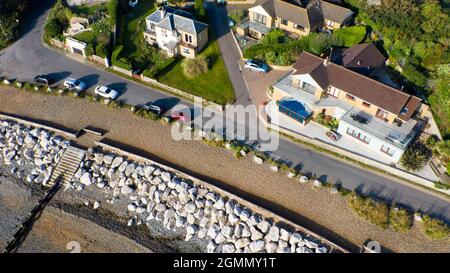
column 152, row 107
column 179, row 116
column 333, row 135
column 73, row 84
column 256, row 65
column 106, row 92
column 43, row 80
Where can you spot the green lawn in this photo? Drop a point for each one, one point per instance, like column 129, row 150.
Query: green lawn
column 351, row 35
column 221, row 91
column 88, row 37
column 135, row 24
column 86, row 10
column 214, row 85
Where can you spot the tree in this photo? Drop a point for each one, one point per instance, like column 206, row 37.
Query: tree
column 200, row 12
column 415, row 157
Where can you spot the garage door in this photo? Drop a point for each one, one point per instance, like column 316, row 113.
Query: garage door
column 77, row 51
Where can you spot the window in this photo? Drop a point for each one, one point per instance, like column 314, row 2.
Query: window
column 186, row 51
column 259, row 18
column 349, row 97
column 387, row 150
column 329, row 23
column 309, row 88
column 404, row 111
column 188, row 38
column 366, row 104
column 299, row 27
column 358, row 135
column 284, row 22
column 333, row 91
column 381, row 114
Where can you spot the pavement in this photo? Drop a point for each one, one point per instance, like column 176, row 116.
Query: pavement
column 28, row 57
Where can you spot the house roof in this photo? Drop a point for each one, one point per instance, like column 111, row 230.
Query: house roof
column 311, row 15
column 362, row 58
column 367, row 89
column 176, row 19
column 306, row 17
column 334, row 12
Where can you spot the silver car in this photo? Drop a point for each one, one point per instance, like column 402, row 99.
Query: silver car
column 73, row 84
column 106, row 92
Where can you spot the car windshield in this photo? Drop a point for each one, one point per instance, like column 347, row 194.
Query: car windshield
column 77, row 82
column 257, row 63
column 107, row 90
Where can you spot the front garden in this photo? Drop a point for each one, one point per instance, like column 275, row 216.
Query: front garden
column 279, row 49
column 95, row 20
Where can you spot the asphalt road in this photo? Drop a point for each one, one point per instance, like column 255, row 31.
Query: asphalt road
column 28, row 57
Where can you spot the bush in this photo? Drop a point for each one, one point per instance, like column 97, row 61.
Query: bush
column 434, row 228
column 237, row 16
column 415, row 157
column 375, row 212
column 102, row 50
column 400, row 219
column 112, row 11
column 195, row 67
column 54, row 29
column 118, row 61
column 147, row 114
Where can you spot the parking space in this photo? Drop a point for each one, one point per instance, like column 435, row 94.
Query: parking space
column 258, row 83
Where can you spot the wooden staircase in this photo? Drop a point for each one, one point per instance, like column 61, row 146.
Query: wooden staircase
column 67, row 166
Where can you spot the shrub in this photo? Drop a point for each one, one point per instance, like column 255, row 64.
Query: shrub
column 195, row 67
column 54, row 28
column 237, row 16
column 375, row 212
column 112, row 11
column 434, row 228
column 147, row 114
column 102, row 50
column 400, row 219
column 118, row 61
column 415, row 157
column 200, row 12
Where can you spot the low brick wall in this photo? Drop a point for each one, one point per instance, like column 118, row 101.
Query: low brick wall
column 123, row 71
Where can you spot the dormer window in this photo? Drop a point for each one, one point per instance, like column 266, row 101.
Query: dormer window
column 366, row 104
column 349, row 97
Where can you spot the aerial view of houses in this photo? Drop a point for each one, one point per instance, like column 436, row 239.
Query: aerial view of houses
column 371, row 112
column 240, row 126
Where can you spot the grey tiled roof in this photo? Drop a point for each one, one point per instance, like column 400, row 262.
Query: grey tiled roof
column 177, row 20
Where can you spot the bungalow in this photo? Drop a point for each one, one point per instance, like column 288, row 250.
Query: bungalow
column 176, row 32
column 294, row 17
column 370, row 112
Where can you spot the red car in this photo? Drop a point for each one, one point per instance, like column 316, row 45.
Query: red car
column 333, row 136
column 179, row 116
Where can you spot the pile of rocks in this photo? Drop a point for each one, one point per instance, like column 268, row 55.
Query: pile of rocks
column 157, row 194
column 36, row 147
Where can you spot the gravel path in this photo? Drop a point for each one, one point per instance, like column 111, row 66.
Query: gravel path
column 313, row 208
